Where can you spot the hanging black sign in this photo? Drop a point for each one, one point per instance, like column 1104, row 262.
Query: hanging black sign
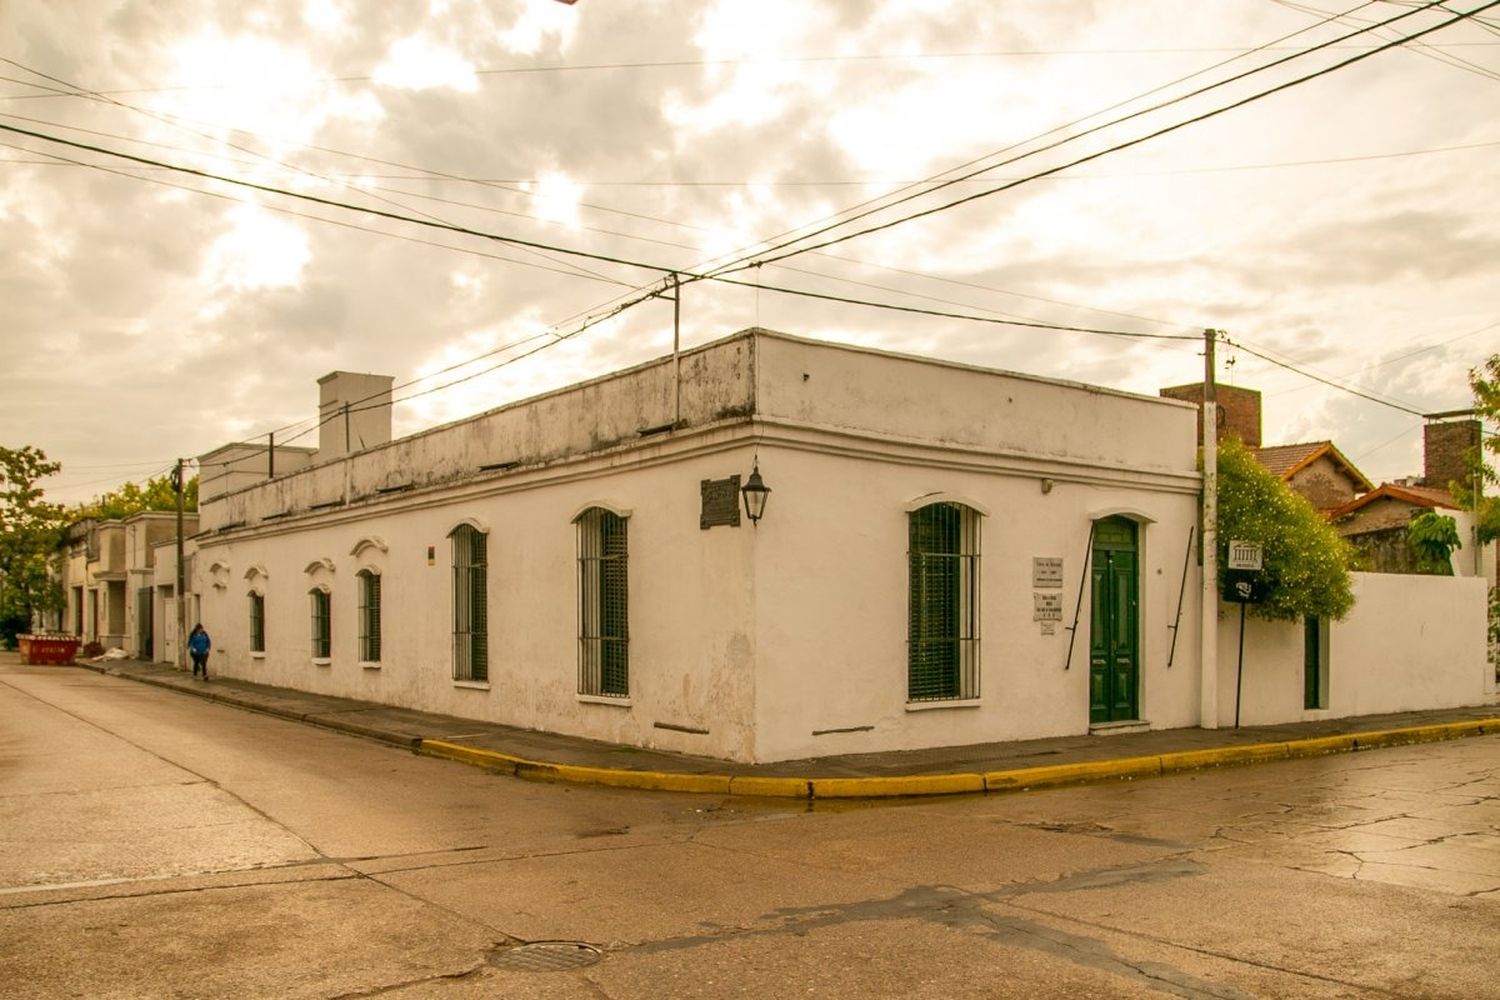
column 1244, row 586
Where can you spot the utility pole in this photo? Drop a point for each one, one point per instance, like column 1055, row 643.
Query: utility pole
column 1208, row 692
column 178, row 488
column 676, row 350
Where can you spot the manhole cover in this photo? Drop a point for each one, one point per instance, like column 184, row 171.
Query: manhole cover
column 547, row 956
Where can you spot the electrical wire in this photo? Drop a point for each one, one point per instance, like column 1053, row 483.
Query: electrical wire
column 334, row 203
column 1059, row 327
column 283, row 210
column 883, row 203
column 1260, row 353
column 1195, row 119
column 1420, row 48
column 175, row 123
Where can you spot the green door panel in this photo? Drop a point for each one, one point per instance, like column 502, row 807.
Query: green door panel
column 1114, row 680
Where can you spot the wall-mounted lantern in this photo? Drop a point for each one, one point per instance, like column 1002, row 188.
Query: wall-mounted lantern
column 755, row 492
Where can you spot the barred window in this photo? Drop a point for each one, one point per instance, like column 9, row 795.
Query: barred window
column 369, row 616
column 943, row 613
column 322, row 632
column 603, row 605
column 257, row 623
column 471, row 649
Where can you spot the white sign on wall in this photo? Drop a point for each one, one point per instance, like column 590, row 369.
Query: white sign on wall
column 1245, row 555
column 1046, row 571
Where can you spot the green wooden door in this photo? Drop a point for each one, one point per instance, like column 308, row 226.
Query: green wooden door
column 1113, row 645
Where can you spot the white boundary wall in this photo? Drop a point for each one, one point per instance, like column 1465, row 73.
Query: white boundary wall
column 1410, row 643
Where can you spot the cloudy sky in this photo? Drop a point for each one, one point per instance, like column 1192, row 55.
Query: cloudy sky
column 1346, row 226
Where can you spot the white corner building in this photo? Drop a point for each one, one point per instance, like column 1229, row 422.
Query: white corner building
column 947, row 555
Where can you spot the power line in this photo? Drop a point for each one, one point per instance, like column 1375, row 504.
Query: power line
column 760, row 61
column 944, row 183
column 1411, row 354
column 872, row 206
column 283, row 210
column 1204, row 116
column 1060, row 327
column 1239, row 345
column 1421, row 48
column 354, row 407
column 334, row 203
column 175, row 123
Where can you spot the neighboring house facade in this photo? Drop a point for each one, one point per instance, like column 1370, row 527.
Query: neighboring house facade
column 114, row 589
column 1317, row 470
column 949, row 555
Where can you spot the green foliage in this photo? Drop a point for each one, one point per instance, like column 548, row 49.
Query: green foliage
column 132, row 498
column 1433, row 538
column 1485, row 383
column 29, row 531
column 1306, row 565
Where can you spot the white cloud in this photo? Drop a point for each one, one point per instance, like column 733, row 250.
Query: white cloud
column 258, row 250
column 419, row 63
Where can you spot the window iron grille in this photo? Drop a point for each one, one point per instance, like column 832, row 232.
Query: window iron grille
column 943, row 613
column 603, row 605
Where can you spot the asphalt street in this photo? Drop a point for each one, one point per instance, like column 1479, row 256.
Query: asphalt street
column 157, row 845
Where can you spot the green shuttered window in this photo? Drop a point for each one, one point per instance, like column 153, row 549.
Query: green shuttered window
column 943, row 618
column 471, row 642
column 257, row 623
column 369, row 616
column 603, row 605
column 322, row 631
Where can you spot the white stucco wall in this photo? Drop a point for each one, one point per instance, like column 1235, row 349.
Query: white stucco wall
column 690, row 645
column 1410, row 643
column 833, row 602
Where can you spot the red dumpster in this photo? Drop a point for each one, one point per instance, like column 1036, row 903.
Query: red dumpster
column 44, row 649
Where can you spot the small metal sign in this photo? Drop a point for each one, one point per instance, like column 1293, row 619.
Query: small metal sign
column 1244, row 555
column 1046, row 571
column 1047, row 607
column 1243, row 586
column 720, row 502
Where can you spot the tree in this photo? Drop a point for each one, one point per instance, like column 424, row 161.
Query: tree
column 1306, row 563
column 132, row 498
column 1485, row 383
column 30, row 528
column 1433, row 537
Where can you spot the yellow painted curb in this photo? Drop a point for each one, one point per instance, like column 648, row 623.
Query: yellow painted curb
column 1415, row 734
column 896, row 785
column 489, row 759
column 770, row 788
column 1323, row 744
column 1053, row 775
column 655, row 781
column 1190, row 760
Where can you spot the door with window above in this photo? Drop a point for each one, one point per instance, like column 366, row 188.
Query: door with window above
column 1113, row 639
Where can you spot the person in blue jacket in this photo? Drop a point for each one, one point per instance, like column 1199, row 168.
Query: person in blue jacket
column 198, row 646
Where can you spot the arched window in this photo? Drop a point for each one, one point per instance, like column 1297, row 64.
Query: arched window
column 943, row 610
column 471, row 635
column 369, row 616
column 603, row 604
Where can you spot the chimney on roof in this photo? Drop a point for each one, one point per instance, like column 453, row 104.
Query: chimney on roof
column 1239, row 410
column 1446, row 445
column 354, row 413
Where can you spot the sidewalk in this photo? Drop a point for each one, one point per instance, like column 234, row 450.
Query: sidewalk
column 990, row 767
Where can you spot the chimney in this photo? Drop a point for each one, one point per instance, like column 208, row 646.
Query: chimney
column 1239, row 410
column 354, row 413
column 1446, row 445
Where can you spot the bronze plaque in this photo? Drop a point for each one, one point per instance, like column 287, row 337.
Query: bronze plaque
column 721, row 502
